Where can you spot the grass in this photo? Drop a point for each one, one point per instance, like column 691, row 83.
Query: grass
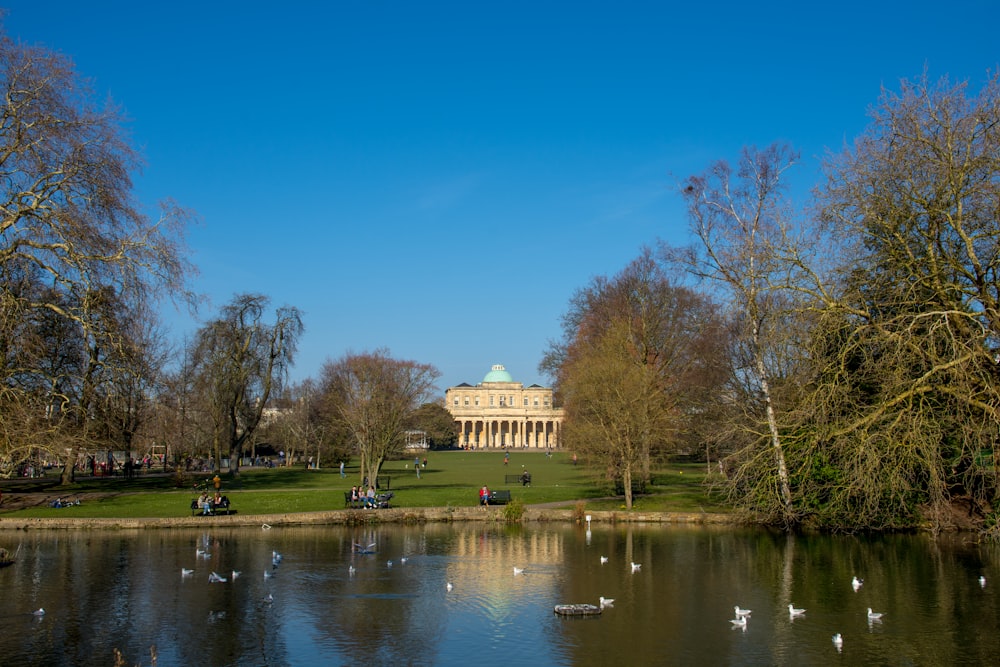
column 450, row 479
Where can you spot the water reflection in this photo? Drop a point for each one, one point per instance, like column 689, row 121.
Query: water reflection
column 125, row 590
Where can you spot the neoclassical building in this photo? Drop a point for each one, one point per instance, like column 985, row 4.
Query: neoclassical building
column 499, row 412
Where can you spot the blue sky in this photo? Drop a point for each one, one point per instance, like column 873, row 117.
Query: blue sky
column 438, row 178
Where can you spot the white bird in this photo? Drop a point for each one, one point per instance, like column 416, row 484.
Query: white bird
column 201, row 553
column 185, row 572
column 268, row 574
column 351, row 570
column 874, row 615
column 740, row 613
column 276, row 557
column 236, row 573
column 856, row 583
column 739, row 622
column 607, row 602
column 793, row 612
column 403, row 560
column 838, row 641
column 448, row 586
column 518, row 570
column 269, row 598
column 40, row 612
column 265, row 527
column 215, row 578
column 636, row 566
column 388, row 563
column 982, row 582
column 604, row 559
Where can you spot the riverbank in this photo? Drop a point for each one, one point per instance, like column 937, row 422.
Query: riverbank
column 409, row 515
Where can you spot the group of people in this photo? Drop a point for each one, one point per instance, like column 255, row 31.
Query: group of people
column 209, row 503
column 359, row 495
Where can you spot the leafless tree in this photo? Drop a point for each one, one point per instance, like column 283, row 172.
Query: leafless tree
column 373, row 395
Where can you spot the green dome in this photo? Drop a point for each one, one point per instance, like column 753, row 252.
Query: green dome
column 498, row 374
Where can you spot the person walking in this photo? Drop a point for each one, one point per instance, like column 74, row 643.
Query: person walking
column 342, row 469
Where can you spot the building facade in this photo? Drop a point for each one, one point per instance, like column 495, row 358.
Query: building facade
column 499, row 412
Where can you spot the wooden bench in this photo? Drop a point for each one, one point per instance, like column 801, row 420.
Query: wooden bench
column 524, row 479
column 225, row 507
column 382, row 501
column 501, row 497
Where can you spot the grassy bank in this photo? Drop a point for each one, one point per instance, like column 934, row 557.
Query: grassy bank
column 451, row 479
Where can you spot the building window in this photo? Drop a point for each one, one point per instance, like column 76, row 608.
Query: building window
column 456, row 402
column 466, row 401
column 525, row 401
column 477, row 401
column 501, row 402
column 491, row 401
column 546, row 402
column 536, row 401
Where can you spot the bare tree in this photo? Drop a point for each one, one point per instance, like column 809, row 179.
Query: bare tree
column 746, row 234
column 374, row 395
column 907, row 360
column 241, row 360
column 72, row 237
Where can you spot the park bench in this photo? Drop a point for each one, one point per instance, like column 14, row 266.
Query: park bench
column 382, row 501
column 225, row 507
column 501, row 497
column 524, row 479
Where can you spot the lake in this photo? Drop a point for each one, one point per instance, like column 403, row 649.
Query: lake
column 329, row 601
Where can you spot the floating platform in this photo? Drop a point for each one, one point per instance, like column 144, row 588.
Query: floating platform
column 577, row 609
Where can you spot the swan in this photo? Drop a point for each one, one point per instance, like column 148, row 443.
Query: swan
column 793, row 612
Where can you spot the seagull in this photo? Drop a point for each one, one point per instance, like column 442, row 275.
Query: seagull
column 388, row 564
column 40, row 612
column 982, row 582
column 403, row 560
column 856, row 583
column 448, row 586
column 838, row 641
column 236, row 573
column 268, row 574
column 269, row 598
column 793, row 612
column 265, row 527
column 518, row 570
column 604, row 559
column 741, row 613
column 276, row 557
column 201, row 553
column 215, row 578
column 636, row 566
column 185, row 572
column 351, row 570
column 874, row 615
column 607, row 602
column 739, row 622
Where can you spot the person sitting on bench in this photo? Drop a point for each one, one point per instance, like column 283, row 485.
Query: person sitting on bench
column 484, row 495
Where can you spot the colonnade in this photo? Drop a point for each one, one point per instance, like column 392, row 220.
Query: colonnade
column 499, row 433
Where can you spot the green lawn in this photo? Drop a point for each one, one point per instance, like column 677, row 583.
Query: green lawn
column 450, row 479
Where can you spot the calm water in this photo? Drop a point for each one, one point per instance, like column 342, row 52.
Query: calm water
column 106, row 590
